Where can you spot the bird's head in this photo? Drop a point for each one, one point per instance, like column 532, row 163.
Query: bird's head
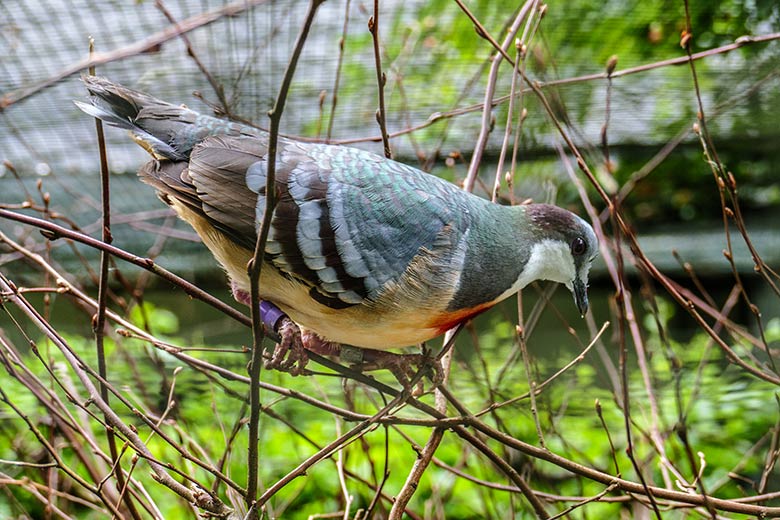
column 564, row 249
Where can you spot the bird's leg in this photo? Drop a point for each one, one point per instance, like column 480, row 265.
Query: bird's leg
column 240, row 295
column 291, row 353
column 402, row 366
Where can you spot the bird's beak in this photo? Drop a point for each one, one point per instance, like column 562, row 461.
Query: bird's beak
column 580, row 292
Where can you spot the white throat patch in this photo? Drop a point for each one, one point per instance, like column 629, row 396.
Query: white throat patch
column 549, row 260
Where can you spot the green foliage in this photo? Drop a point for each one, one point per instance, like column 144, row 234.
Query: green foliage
column 723, row 412
column 703, row 403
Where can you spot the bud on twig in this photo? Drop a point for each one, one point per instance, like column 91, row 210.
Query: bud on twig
column 611, row 64
column 685, row 39
column 732, row 181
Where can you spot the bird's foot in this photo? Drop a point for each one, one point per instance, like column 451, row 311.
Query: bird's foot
column 403, row 366
column 291, row 354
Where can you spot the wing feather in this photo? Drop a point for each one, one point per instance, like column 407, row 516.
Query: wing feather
column 347, row 223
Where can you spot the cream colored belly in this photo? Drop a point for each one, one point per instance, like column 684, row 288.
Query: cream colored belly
column 378, row 326
column 360, row 325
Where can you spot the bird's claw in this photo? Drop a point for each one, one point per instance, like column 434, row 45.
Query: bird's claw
column 403, row 366
column 289, row 354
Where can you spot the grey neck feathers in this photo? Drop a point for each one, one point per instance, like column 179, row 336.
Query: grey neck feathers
column 498, row 246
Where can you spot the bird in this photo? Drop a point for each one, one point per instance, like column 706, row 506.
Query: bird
column 362, row 250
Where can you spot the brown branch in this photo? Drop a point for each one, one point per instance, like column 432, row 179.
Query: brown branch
column 484, row 33
column 70, row 289
column 337, row 80
column 680, row 60
column 99, row 322
column 51, row 402
column 541, row 386
column 725, row 505
column 256, row 263
column 203, row 500
column 426, row 455
column 456, row 112
column 399, row 399
column 634, row 244
column 625, row 485
column 519, row 60
column 381, row 80
column 53, row 231
column 486, row 126
column 219, row 90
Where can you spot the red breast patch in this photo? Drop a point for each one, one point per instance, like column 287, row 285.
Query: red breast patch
column 447, row 320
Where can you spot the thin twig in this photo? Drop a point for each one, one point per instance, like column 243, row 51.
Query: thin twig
column 381, row 80
column 487, row 104
column 687, row 498
column 334, row 98
column 218, row 88
column 484, row 33
column 53, row 231
column 520, row 54
column 456, row 112
column 205, row 501
column 426, row 455
column 99, row 324
column 400, row 399
column 255, row 265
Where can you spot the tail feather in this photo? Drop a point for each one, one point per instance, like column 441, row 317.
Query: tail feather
column 149, row 142
column 106, row 116
column 161, row 128
column 165, row 130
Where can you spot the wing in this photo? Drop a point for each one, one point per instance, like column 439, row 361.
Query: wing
column 347, row 222
column 219, row 195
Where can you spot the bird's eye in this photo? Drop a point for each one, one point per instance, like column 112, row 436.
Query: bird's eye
column 578, row 246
